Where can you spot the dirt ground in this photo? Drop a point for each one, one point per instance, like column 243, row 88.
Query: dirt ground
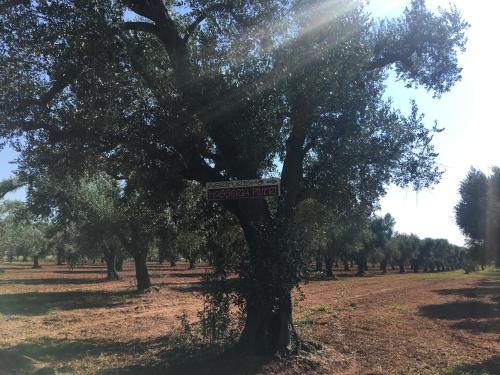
column 60, row 321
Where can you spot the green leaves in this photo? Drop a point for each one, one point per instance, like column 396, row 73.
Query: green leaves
column 477, row 213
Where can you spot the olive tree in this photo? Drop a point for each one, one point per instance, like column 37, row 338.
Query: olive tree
column 217, row 90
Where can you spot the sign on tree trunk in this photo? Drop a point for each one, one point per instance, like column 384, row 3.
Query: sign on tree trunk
column 225, row 190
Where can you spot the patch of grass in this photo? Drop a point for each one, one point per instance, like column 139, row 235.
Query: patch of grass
column 443, row 275
column 492, row 272
column 400, row 307
column 465, row 369
column 457, row 274
column 305, row 318
column 490, row 366
column 322, row 308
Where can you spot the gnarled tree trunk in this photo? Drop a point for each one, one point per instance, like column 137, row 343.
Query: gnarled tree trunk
column 267, row 282
column 269, row 327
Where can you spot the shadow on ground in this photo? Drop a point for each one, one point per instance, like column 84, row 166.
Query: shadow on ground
column 461, row 310
column 55, row 281
column 478, row 310
column 486, row 290
column 491, row 366
column 188, row 275
column 479, row 326
column 83, row 272
column 194, row 287
column 44, row 356
column 54, row 356
column 30, row 304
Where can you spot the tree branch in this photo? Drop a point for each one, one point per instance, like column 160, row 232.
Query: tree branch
column 201, row 17
column 153, row 10
column 58, row 85
column 146, row 27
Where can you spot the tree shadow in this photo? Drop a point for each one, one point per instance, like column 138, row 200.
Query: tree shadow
column 33, row 357
column 56, row 281
column 487, row 367
column 83, row 272
column 461, row 310
column 205, row 365
column 481, row 292
column 187, row 275
column 47, row 356
column 14, row 268
column 195, row 287
column 482, row 326
column 30, row 304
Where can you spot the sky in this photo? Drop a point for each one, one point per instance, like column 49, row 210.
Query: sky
column 467, row 112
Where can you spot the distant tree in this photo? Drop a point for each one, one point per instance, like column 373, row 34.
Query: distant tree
column 492, row 242
column 23, row 234
column 478, row 214
column 406, row 248
column 382, row 229
column 341, row 237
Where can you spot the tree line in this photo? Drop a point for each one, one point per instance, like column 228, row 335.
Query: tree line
column 91, row 218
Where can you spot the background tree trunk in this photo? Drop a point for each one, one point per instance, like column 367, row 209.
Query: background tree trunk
column 119, row 263
column 60, row 256
column 111, row 260
column 141, row 270
column 319, row 262
column 328, row 266
column 402, row 267
column 361, row 267
column 35, row 262
column 383, row 266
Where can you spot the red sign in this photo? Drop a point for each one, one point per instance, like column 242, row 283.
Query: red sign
column 242, row 189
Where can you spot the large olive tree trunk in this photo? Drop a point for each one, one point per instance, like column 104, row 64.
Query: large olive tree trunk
column 269, row 326
column 266, row 283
